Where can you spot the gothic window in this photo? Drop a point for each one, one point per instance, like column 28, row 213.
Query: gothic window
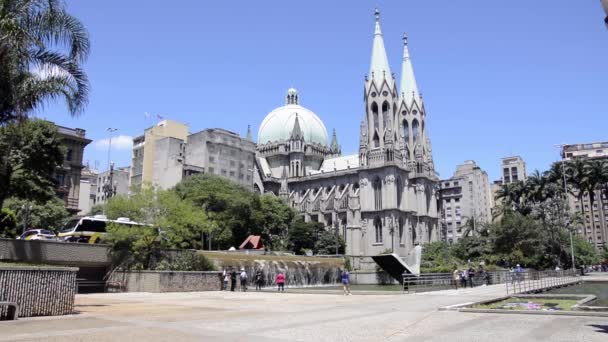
column 375, row 115
column 400, row 230
column 376, row 140
column 399, row 191
column 414, row 235
column 377, row 194
column 378, row 229
column 415, row 133
column 406, row 131
column 385, row 108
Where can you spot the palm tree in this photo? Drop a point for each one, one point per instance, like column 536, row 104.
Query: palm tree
column 577, row 178
column 595, row 180
column 42, row 48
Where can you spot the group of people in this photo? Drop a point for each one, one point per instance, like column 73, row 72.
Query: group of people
column 470, row 277
column 231, row 276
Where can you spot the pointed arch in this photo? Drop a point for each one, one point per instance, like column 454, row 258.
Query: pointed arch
column 399, row 185
column 375, row 119
column 406, row 131
column 401, row 230
column 415, row 131
column 377, row 185
column 378, row 229
column 376, row 139
column 385, row 112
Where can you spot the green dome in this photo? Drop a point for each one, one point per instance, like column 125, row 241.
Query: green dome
column 278, row 124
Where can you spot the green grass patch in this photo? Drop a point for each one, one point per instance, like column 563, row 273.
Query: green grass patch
column 530, row 304
column 22, row 264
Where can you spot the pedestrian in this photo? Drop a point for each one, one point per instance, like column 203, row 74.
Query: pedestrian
column 519, row 272
column 232, row 279
column 464, row 275
column 280, row 280
column 225, row 278
column 259, row 280
column 346, row 282
column 456, row 276
column 471, row 274
column 243, row 277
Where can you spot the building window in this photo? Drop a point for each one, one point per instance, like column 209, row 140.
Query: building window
column 223, row 172
column 68, row 155
column 232, row 163
column 378, row 229
column 400, row 231
column 399, row 191
column 211, row 170
column 415, row 132
column 377, row 194
column 385, row 118
column 211, row 159
column 375, row 116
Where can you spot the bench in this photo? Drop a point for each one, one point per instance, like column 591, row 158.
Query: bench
column 13, row 310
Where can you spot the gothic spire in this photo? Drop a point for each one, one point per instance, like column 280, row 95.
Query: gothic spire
column 408, row 86
column 334, row 147
column 379, row 69
column 296, row 133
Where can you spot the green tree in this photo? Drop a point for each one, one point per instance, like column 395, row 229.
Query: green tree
column 327, row 241
column 48, row 215
column 272, row 218
column 8, row 223
column 134, row 247
column 584, row 252
column 31, row 152
column 42, row 48
column 303, row 235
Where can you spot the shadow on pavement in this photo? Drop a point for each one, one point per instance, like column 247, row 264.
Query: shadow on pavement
column 600, row 328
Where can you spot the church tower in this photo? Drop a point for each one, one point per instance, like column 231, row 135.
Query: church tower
column 378, row 142
column 415, row 145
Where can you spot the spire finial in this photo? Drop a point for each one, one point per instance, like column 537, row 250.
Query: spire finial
column 405, row 38
column 377, row 14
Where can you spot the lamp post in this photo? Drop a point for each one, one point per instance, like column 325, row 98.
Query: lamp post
column 26, row 208
column 566, row 221
column 110, row 131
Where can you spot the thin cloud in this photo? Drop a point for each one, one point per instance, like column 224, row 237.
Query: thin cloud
column 121, row 142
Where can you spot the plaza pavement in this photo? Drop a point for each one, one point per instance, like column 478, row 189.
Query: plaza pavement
column 264, row 316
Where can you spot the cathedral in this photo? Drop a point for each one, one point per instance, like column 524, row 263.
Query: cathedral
column 382, row 198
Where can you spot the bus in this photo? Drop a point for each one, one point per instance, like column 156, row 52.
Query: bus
column 90, row 229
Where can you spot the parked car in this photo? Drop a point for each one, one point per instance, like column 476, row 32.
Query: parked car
column 38, row 234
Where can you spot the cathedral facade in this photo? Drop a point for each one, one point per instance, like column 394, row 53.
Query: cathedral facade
column 382, row 198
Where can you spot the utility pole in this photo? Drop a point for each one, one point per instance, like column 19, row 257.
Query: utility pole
column 566, row 223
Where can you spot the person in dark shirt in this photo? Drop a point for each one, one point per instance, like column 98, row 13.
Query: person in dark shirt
column 232, row 279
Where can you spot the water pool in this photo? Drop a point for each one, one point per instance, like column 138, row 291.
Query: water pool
column 597, row 288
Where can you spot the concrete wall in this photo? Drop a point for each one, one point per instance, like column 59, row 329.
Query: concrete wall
column 164, row 281
column 54, row 253
column 39, row 291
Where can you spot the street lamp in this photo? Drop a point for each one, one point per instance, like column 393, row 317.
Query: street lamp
column 26, row 208
column 110, row 131
column 566, row 221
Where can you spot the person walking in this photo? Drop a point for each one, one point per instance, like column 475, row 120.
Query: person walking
column 232, row 279
column 471, row 274
column 259, row 280
column 225, row 278
column 519, row 272
column 456, row 276
column 464, row 275
column 243, row 277
column 346, row 282
column 280, row 280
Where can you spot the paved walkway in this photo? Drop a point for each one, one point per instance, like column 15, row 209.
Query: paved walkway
column 251, row 316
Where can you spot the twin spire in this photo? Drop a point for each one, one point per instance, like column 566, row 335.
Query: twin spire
column 380, row 68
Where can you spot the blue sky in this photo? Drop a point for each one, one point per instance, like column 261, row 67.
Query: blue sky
column 499, row 77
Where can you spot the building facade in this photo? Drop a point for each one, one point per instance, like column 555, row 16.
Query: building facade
column 88, row 190
column 166, row 154
column 382, row 198
column 595, row 217
column 68, row 175
column 465, row 197
column 513, row 170
column 120, row 179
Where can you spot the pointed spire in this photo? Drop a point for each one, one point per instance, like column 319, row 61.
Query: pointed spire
column 408, row 86
column 379, row 68
column 334, row 147
column 296, row 133
column 248, row 136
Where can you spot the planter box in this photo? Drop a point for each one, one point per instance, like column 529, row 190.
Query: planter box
column 39, row 291
column 164, row 281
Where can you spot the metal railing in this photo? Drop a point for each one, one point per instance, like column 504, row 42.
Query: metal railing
column 524, row 282
column 515, row 282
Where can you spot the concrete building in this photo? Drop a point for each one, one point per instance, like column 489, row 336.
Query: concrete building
column 464, row 197
column 383, row 197
column 120, row 179
column 88, row 190
column 223, row 153
column 154, row 152
column 68, row 176
column 595, row 229
column 513, row 170
column 175, row 156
